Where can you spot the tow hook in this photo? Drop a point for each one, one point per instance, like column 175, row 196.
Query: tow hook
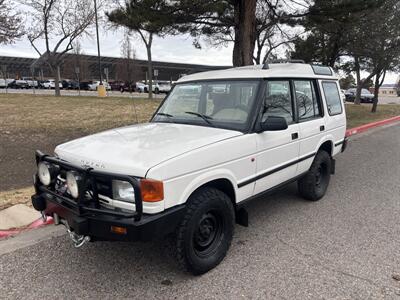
column 77, row 239
column 44, row 217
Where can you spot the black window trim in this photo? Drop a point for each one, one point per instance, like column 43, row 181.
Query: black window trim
column 340, row 99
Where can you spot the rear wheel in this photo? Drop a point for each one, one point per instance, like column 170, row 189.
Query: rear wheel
column 205, row 233
column 314, row 184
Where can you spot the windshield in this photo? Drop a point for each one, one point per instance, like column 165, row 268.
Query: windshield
column 223, row 104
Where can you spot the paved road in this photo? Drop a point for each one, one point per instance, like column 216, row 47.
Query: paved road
column 344, row 247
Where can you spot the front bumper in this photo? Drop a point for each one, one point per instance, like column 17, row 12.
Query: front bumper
column 86, row 217
column 97, row 223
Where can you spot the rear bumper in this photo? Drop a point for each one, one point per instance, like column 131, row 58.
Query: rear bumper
column 98, row 225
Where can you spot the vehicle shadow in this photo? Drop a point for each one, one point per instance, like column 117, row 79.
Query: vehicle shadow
column 140, row 261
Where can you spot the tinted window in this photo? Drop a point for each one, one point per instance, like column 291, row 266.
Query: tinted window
column 278, row 101
column 306, row 99
column 332, row 98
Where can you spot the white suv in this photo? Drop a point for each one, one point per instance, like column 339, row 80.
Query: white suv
column 219, row 139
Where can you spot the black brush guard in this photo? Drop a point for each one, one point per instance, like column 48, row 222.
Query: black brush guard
column 81, row 206
column 86, row 218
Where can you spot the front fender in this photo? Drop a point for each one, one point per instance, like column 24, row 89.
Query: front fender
column 177, row 191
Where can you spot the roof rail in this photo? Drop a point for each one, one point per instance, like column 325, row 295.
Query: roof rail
column 282, row 61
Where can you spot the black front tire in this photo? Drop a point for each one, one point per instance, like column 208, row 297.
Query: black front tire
column 314, row 184
column 205, row 233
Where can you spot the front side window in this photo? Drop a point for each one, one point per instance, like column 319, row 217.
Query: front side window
column 332, row 97
column 306, row 99
column 278, row 101
column 224, row 104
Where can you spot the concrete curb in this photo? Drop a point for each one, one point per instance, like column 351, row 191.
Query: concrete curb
column 36, row 224
column 349, row 132
column 365, row 127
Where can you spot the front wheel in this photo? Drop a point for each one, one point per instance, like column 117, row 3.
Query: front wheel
column 314, row 184
column 205, row 233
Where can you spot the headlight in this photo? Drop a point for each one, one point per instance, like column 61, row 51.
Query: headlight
column 73, row 182
column 123, row 191
column 45, row 172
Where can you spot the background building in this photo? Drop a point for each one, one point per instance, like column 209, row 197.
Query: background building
column 120, row 69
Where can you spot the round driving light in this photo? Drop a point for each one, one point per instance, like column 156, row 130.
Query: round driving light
column 44, row 173
column 73, row 183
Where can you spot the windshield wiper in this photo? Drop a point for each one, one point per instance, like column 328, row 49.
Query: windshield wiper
column 164, row 115
column 204, row 117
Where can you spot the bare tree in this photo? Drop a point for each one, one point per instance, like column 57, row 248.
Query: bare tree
column 10, row 23
column 128, row 54
column 56, row 25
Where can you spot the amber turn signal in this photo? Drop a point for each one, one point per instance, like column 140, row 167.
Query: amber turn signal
column 152, row 190
column 119, row 230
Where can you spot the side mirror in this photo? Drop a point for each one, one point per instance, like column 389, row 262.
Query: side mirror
column 273, row 123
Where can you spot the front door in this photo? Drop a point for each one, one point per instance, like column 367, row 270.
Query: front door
column 277, row 151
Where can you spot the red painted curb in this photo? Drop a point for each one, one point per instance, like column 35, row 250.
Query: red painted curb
column 36, row 224
column 362, row 128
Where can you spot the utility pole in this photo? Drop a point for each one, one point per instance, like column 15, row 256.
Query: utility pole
column 98, row 42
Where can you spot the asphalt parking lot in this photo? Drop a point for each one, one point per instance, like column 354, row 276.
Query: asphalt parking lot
column 77, row 93
column 345, row 246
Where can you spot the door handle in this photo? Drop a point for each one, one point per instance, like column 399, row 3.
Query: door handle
column 295, row 136
column 321, row 128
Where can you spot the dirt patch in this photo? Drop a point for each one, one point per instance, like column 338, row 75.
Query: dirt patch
column 29, row 123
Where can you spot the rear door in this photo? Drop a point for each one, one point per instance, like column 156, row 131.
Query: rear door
column 311, row 120
column 277, row 151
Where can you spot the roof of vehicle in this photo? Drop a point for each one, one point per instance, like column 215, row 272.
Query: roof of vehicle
column 272, row 70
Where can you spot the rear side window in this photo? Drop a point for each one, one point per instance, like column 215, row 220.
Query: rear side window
column 332, row 97
column 306, row 99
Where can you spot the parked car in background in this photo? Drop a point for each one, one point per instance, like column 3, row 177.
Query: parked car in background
column 144, row 88
column 84, row 85
column 94, row 85
column 164, row 87
column 3, row 83
column 31, row 82
column 69, row 84
column 18, row 84
column 51, row 84
column 366, row 96
column 140, row 87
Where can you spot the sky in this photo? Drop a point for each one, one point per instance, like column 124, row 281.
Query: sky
column 170, row 49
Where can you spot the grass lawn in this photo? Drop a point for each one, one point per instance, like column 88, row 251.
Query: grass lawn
column 361, row 114
column 27, row 113
column 30, row 122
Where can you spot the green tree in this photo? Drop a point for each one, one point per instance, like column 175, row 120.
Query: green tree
column 328, row 25
column 147, row 18
column 246, row 23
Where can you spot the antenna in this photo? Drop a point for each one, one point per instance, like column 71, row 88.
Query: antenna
column 134, row 104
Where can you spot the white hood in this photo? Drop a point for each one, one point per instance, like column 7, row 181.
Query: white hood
column 133, row 150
